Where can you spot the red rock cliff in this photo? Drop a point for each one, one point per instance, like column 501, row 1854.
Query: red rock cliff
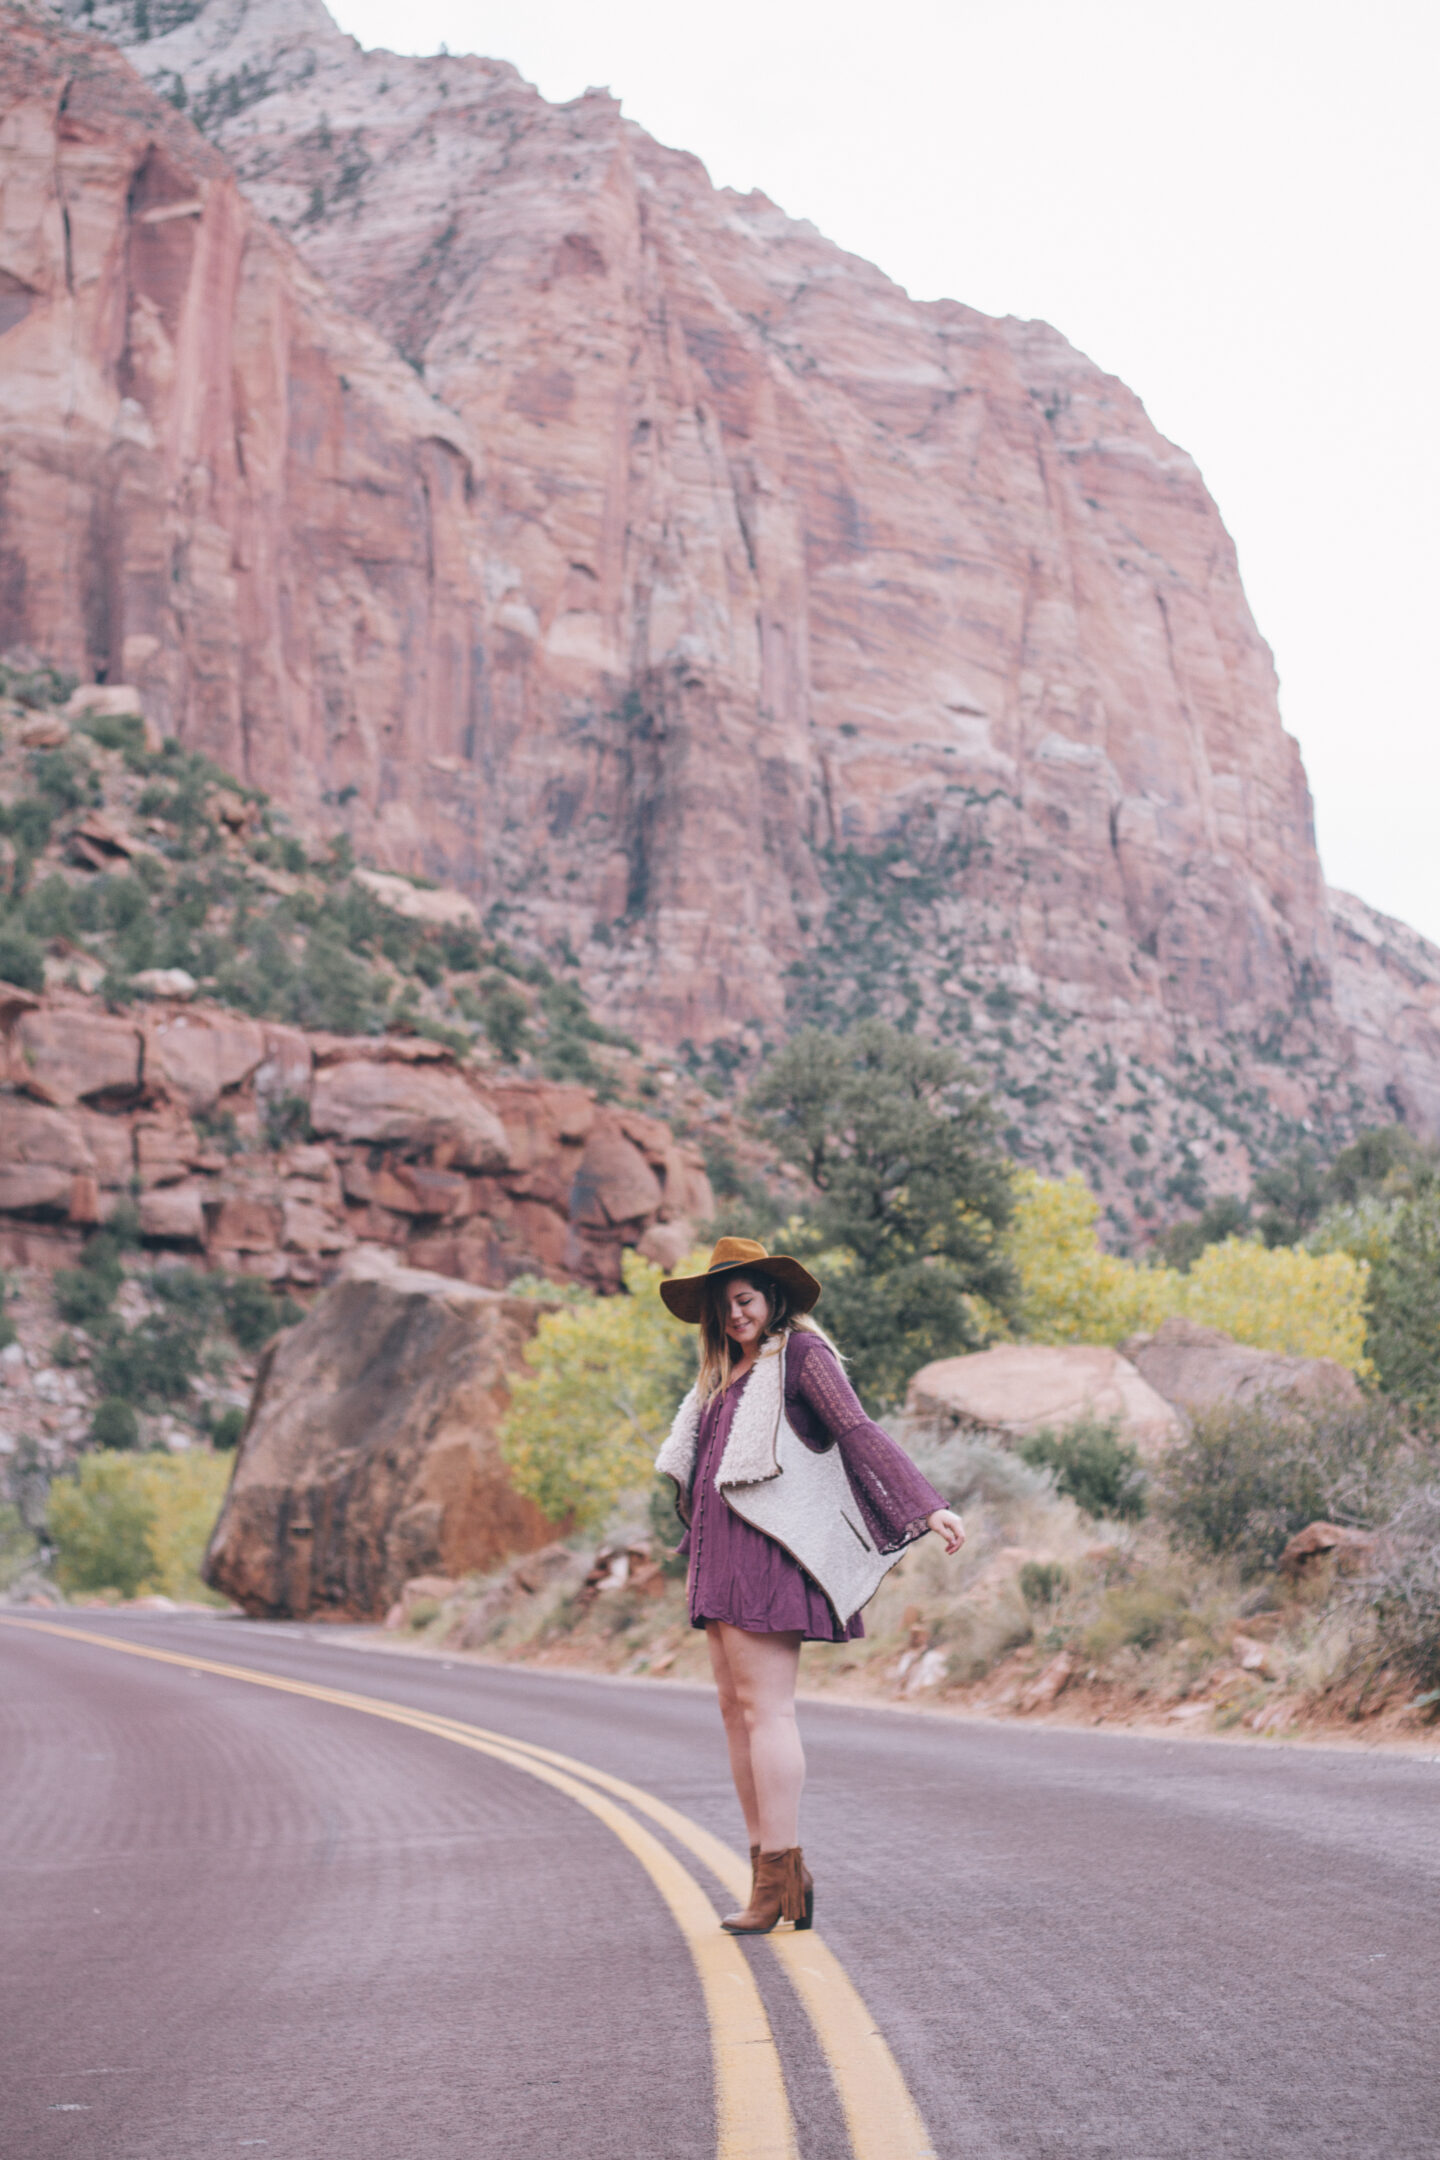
column 790, row 647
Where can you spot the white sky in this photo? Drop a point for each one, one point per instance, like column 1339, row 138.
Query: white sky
column 1229, row 203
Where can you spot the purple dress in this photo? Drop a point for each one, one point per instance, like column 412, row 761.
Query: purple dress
column 740, row 1575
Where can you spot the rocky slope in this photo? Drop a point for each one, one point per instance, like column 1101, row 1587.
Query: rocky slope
column 619, row 550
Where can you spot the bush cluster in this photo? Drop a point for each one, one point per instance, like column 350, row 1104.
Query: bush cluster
column 1243, row 1481
column 1092, row 1466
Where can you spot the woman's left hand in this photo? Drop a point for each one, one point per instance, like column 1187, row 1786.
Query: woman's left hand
column 947, row 1525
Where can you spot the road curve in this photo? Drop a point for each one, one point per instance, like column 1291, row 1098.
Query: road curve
column 241, row 1919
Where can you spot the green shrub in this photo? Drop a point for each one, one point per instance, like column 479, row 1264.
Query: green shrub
column 334, row 990
column 100, row 1521
column 189, row 1291
column 461, row 949
column 253, row 1313
column 28, row 821
column 227, row 1428
column 153, row 1364
column 119, row 731
column 504, row 1013
column 83, row 1294
column 1140, row 1617
column 114, row 1424
column 62, row 780
column 1098, row 1470
column 287, row 1120
column 65, row 1351
column 1042, row 1581
column 7, row 1325
column 40, row 686
column 50, row 910
column 1243, row 1481
column 22, row 958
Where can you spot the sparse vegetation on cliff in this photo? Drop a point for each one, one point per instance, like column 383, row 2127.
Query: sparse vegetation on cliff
column 186, row 869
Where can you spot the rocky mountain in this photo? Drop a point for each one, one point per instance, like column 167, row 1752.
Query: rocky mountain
column 474, row 476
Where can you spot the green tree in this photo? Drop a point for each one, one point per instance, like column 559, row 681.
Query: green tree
column 605, row 1378
column 911, row 1194
column 1292, row 1195
column 1403, row 1338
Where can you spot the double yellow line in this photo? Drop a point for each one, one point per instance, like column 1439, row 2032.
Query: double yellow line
column 752, row 2108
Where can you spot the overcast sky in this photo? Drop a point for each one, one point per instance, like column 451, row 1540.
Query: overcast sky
column 1229, row 203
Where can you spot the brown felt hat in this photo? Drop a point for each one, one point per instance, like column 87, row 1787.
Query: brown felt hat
column 685, row 1294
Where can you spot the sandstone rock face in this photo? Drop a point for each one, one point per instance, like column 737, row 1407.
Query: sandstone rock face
column 219, row 487
column 479, row 1178
column 415, row 1110
column 196, row 1057
column 1019, row 1387
column 66, row 1054
column 1199, row 1368
column 370, row 1456
column 1387, row 993
column 790, row 648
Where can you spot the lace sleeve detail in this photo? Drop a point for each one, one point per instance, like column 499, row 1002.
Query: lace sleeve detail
column 896, row 1500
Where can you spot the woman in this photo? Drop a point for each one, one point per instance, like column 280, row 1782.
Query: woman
column 796, row 1507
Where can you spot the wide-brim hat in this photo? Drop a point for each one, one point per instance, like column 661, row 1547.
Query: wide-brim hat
column 685, row 1294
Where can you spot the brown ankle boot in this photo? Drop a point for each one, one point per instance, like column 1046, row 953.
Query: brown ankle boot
column 783, row 1890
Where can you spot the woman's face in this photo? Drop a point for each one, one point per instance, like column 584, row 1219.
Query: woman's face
column 746, row 1311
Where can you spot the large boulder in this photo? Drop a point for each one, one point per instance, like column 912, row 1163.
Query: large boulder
column 64, row 1054
column 371, row 1453
column 1019, row 1388
column 196, row 1056
column 402, row 1105
column 1198, row 1368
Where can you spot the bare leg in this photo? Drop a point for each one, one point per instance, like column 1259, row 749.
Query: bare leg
column 760, row 1672
column 737, row 1738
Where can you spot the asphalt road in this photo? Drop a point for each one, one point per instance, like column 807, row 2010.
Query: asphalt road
column 235, row 1918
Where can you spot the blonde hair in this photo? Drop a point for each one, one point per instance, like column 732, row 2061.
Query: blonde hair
column 718, row 1357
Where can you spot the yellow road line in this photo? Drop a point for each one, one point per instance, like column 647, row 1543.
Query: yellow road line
column 880, row 2114
column 882, row 2118
column 752, row 2110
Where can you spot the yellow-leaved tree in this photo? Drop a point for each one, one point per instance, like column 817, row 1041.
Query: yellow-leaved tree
column 1305, row 1304
column 137, row 1523
column 1283, row 1298
column 1071, row 1289
column 605, row 1378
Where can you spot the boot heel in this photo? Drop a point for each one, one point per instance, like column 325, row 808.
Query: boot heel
column 809, row 1916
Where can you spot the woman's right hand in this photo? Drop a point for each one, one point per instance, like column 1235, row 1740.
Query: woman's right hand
column 947, row 1525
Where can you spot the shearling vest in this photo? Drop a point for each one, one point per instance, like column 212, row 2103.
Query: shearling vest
column 801, row 1498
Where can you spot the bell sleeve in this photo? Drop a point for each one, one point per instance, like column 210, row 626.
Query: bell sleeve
column 895, row 1499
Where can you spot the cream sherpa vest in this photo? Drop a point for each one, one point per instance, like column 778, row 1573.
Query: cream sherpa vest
column 798, row 1497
